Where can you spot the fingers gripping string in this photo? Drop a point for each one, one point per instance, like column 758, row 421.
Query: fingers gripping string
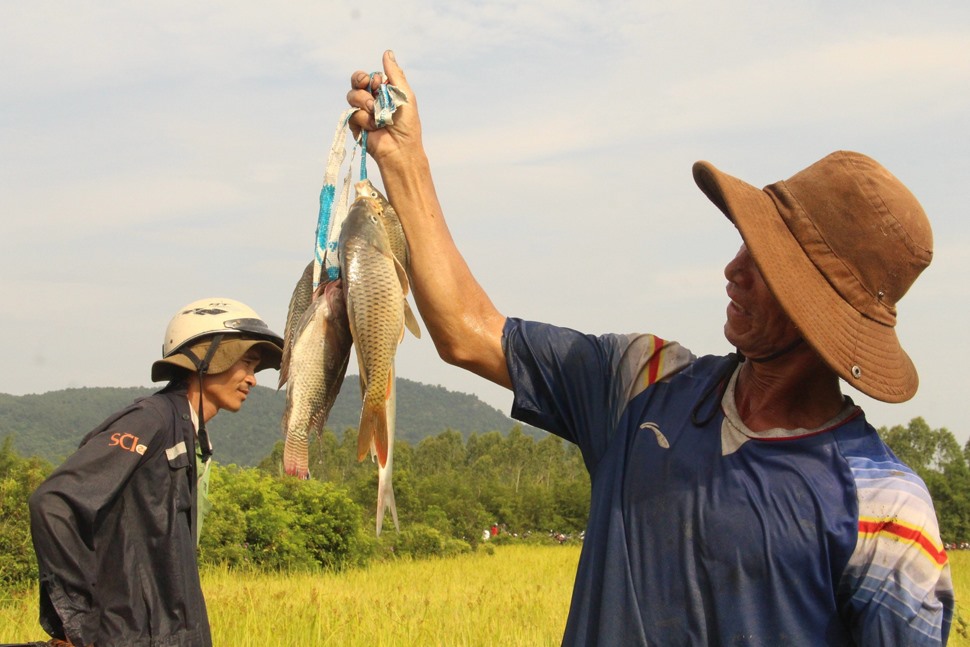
column 333, row 211
column 387, row 98
column 363, row 138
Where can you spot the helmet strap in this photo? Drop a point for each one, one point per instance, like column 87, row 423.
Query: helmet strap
column 202, row 366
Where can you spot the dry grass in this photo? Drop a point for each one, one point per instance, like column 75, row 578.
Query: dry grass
column 517, row 596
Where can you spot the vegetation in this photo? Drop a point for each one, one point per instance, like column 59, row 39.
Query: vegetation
column 448, row 492
column 52, row 424
column 449, row 489
column 511, row 596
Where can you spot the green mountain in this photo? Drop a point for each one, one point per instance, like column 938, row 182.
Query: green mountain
column 51, row 425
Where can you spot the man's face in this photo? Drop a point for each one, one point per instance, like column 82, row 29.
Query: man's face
column 228, row 389
column 756, row 324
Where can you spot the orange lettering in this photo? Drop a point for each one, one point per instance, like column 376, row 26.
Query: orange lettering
column 125, row 441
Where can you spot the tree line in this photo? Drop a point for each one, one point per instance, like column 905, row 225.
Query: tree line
column 449, row 490
column 50, row 425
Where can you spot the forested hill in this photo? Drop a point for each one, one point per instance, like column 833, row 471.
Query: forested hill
column 51, row 425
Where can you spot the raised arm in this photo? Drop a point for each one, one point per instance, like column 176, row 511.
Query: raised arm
column 464, row 324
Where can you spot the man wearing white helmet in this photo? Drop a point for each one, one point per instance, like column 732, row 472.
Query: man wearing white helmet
column 115, row 527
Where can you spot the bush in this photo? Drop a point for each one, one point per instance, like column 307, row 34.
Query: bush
column 274, row 523
column 419, row 541
column 18, row 479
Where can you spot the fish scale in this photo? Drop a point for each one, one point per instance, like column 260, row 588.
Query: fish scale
column 318, row 361
column 374, row 289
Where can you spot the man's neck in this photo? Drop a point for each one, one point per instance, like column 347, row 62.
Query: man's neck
column 795, row 391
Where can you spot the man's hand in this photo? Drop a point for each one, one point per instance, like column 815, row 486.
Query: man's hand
column 400, row 142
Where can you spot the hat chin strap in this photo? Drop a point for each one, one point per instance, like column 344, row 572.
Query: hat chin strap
column 202, row 366
column 734, row 360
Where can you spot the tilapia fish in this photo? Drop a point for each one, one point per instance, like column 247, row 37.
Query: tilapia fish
column 299, row 301
column 375, row 289
column 317, row 364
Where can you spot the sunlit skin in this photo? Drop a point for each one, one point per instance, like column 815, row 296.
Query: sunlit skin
column 228, row 389
column 795, row 390
column 756, row 323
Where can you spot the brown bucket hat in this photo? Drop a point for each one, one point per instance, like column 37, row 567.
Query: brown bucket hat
column 839, row 243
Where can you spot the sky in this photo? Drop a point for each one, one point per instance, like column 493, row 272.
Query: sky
column 155, row 153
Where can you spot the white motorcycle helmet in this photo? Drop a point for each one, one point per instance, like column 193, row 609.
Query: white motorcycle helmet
column 210, row 335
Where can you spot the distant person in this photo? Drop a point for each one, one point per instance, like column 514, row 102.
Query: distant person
column 116, row 526
column 738, row 500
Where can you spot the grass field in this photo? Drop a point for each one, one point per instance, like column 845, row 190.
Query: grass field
column 517, row 596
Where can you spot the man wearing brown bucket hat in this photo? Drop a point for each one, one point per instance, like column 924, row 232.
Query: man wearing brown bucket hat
column 738, row 500
column 115, row 526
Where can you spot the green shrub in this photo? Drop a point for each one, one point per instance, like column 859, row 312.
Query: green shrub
column 19, row 477
column 419, row 541
column 273, row 523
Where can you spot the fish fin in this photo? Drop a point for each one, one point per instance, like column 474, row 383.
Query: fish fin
column 361, row 372
column 385, row 501
column 411, row 321
column 373, row 426
column 365, row 433
column 380, row 429
column 372, row 429
column 402, row 276
column 361, row 365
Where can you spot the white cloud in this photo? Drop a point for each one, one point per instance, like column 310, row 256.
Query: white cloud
column 561, row 133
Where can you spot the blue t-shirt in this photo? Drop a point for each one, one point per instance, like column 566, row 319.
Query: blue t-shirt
column 708, row 534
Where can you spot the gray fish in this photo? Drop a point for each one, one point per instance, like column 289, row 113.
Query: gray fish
column 299, row 301
column 318, row 362
column 375, row 286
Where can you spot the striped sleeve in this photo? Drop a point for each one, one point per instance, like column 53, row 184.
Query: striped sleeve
column 646, row 360
column 896, row 586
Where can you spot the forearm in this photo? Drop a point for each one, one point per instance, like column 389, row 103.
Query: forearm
column 463, row 323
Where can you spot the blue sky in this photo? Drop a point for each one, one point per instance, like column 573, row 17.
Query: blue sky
column 155, row 153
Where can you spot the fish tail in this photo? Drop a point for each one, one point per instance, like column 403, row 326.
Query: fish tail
column 365, row 432
column 296, row 457
column 385, row 501
column 373, row 426
column 380, row 429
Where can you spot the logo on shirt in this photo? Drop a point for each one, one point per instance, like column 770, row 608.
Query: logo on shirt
column 128, row 442
column 655, row 428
